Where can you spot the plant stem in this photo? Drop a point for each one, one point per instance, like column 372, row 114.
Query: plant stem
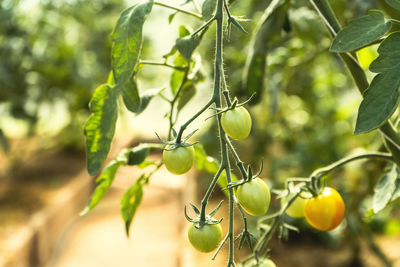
column 391, row 137
column 147, row 62
column 198, row 16
column 207, row 195
column 327, row 169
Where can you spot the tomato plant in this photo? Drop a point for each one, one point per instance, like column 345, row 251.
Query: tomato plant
column 236, row 123
column 326, row 210
column 178, row 160
column 254, row 197
column 205, row 238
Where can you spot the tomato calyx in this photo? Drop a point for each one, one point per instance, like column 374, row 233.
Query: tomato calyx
column 207, row 219
column 174, row 144
column 248, row 178
column 250, row 239
column 231, row 106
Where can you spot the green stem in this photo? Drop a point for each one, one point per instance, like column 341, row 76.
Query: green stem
column 147, row 62
column 207, row 195
column 198, row 16
column 391, row 137
column 395, row 21
column 327, row 169
column 238, row 161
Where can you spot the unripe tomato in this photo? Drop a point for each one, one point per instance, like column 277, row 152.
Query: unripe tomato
column 254, row 197
column 236, row 123
column 325, row 211
column 261, row 263
column 296, row 209
column 179, row 160
column 206, row 238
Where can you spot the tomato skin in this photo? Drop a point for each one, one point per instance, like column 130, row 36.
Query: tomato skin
column 236, row 123
column 262, row 263
column 296, row 209
column 325, row 211
column 206, row 238
column 179, row 160
column 254, row 197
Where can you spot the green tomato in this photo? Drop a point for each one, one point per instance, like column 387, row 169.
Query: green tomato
column 254, row 197
column 179, row 160
column 236, row 123
column 261, row 263
column 205, row 238
column 296, row 209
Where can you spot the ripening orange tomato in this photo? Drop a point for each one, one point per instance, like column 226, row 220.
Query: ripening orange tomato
column 326, row 210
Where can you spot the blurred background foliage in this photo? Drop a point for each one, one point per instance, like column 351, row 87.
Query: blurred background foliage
column 55, row 53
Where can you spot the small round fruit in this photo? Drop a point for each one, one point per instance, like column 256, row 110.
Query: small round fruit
column 296, row 209
column 261, row 263
column 325, row 211
column 179, row 160
column 236, row 123
column 205, row 238
column 254, row 197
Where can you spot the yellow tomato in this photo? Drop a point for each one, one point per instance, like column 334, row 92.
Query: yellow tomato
column 325, row 211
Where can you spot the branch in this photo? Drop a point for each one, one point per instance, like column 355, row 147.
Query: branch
column 198, row 16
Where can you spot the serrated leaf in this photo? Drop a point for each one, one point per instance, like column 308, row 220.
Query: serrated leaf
column 100, row 127
column 389, row 54
column 130, row 203
column 394, row 3
column 186, row 46
column 382, row 96
column 146, row 97
column 127, row 40
column 379, row 103
column 138, row 154
column 361, row 32
column 130, row 95
column 268, row 32
column 208, row 8
column 104, row 182
column 384, row 189
column 188, row 92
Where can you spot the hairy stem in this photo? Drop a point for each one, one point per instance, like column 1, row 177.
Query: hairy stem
column 198, row 16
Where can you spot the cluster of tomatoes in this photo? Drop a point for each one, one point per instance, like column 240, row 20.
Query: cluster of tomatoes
column 324, row 211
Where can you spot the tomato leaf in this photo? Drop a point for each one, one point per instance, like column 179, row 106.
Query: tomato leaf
column 130, row 95
column 177, row 76
column 208, row 8
column 146, row 97
column 100, row 127
column 186, row 46
column 361, row 32
column 382, row 96
column 188, row 92
column 394, row 3
column 384, row 189
column 268, row 32
column 127, row 40
column 104, row 182
column 130, row 202
column 138, row 154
